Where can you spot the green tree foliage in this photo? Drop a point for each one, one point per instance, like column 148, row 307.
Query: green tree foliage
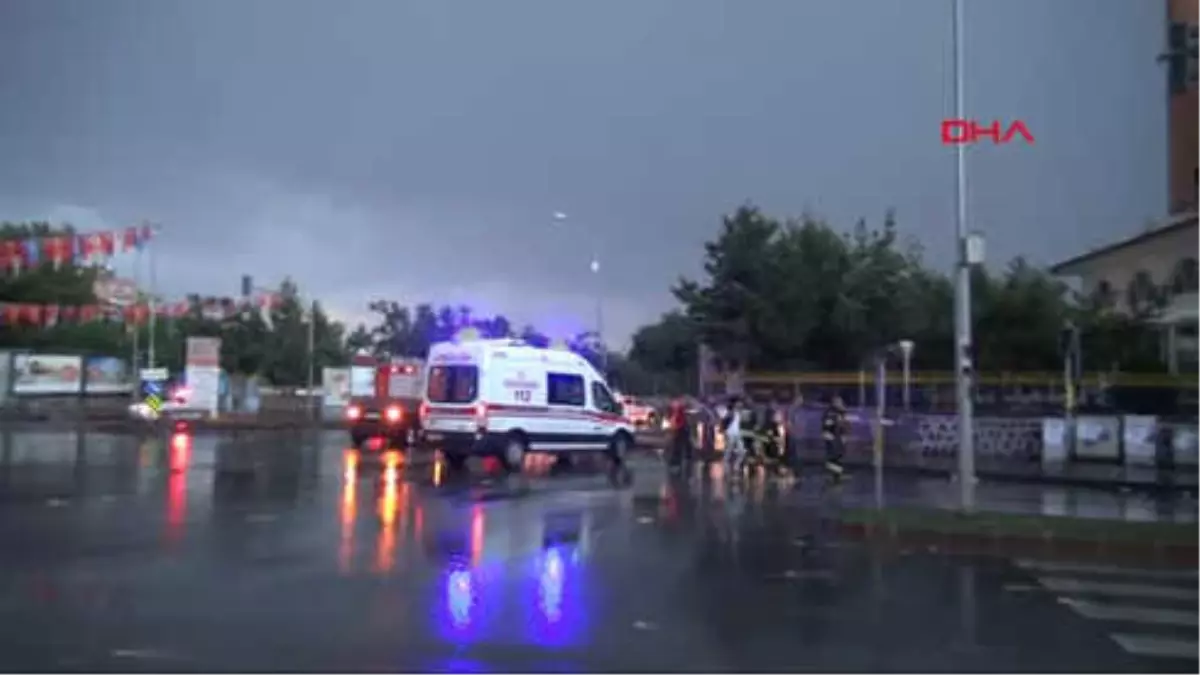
column 67, row 285
column 274, row 346
column 799, row 295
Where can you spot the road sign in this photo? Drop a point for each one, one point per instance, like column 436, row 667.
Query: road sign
column 153, row 388
column 155, row 374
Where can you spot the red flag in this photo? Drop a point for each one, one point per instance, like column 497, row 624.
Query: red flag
column 108, row 243
column 57, row 250
column 145, row 234
column 129, row 239
column 13, row 255
column 51, row 312
column 137, row 314
column 6, row 253
column 88, row 247
column 70, row 313
column 12, row 313
column 88, row 313
column 33, row 313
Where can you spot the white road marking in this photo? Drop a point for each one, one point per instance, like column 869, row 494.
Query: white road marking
column 1129, row 613
column 1073, row 568
column 1151, row 645
column 1071, row 586
column 56, row 503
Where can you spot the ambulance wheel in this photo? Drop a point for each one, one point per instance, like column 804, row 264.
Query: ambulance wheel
column 512, row 455
column 618, row 448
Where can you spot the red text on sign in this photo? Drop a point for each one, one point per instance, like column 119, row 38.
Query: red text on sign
column 955, row 132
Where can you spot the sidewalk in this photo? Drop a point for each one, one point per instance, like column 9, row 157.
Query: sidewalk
column 1026, row 499
column 1080, row 474
column 1012, row 519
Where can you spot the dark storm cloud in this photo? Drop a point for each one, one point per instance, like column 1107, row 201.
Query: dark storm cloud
column 419, row 149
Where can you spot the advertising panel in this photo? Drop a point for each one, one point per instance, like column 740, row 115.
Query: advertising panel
column 203, row 373
column 1141, row 439
column 1098, row 438
column 47, row 374
column 106, row 375
column 335, row 386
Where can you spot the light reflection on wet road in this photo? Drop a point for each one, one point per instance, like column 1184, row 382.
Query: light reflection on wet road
column 286, row 552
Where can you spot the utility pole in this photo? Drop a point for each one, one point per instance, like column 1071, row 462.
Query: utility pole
column 312, row 337
column 152, row 321
column 963, row 348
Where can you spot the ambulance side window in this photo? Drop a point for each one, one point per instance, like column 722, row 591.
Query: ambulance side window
column 603, row 399
column 564, row 389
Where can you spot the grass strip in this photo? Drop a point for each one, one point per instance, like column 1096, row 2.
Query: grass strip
column 999, row 524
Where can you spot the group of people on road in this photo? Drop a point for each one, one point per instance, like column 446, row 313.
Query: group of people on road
column 741, row 428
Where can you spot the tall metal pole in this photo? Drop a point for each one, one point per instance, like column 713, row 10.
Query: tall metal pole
column 963, row 348
column 312, row 338
column 153, row 320
column 595, row 266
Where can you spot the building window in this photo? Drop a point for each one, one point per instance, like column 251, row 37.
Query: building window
column 1181, row 57
column 1184, row 279
column 1103, row 296
column 1142, row 294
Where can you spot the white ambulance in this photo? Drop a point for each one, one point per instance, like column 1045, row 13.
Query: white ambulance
column 505, row 398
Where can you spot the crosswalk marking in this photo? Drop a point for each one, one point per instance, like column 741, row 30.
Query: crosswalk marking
column 1129, row 613
column 1117, row 597
column 1072, row 568
column 1153, row 645
column 1067, row 585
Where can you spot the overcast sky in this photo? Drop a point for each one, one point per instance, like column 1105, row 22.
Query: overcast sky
column 418, row 150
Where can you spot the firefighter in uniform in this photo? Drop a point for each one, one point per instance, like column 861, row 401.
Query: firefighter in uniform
column 681, row 437
column 833, row 431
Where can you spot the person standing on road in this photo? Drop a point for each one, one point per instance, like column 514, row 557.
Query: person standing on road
column 735, row 450
column 681, row 437
column 833, row 430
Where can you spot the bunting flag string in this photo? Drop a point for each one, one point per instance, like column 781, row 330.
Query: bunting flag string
column 212, row 308
column 90, row 248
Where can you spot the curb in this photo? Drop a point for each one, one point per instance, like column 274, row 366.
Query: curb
column 903, row 539
column 1108, row 484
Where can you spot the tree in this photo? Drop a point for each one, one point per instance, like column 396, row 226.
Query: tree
column 798, row 295
column 285, row 359
column 663, row 355
column 67, row 284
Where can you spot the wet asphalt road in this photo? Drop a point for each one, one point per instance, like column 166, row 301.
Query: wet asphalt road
column 285, row 553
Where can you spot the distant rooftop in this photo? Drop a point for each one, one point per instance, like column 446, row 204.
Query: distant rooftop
column 1173, row 223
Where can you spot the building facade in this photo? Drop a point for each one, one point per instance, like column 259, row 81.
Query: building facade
column 1154, row 272
column 1180, row 60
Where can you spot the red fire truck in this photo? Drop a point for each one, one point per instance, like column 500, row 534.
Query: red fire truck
column 384, row 398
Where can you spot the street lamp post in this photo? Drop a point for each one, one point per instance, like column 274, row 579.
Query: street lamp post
column 594, row 266
column 962, row 347
column 906, row 350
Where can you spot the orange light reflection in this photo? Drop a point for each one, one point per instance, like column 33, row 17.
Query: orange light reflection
column 178, row 458
column 388, row 507
column 477, row 532
column 349, row 512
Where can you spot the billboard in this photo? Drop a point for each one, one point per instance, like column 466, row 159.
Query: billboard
column 47, row 374
column 203, row 373
column 106, row 375
column 335, row 385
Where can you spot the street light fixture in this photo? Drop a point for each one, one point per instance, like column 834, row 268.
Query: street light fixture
column 594, row 266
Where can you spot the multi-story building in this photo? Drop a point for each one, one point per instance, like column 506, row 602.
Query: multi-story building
column 1180, row 60
column 1155, row 270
